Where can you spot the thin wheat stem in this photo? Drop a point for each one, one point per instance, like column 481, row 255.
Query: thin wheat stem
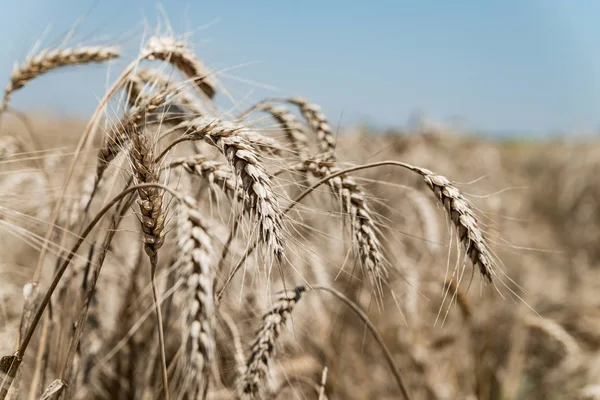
column 388, row 355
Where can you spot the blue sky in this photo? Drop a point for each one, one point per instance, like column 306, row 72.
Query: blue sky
column 527, row 66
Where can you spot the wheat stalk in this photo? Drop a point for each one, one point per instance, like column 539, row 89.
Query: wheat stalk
column 152, row 220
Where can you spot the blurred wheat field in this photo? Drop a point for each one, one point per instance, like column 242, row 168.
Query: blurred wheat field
column 168, row 248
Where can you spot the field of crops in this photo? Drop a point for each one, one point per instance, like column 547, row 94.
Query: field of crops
column 165, row 247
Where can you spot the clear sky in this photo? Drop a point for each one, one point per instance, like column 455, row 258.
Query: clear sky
column 510, row 65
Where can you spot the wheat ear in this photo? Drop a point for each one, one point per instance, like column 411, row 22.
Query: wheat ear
column 463, row 217
column 150, row 198
column 217, row 174
column 318, row 123
column 198, row 274
column 168, row 49
column 250, row 173
column 252, row 384
column 48, row 59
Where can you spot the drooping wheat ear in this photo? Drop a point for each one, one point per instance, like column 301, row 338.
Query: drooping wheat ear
column 463, row 217
column 291, row 126
column 252, row 383
column 318, row 123
column 166, row 48
column 250, row 174
column 354, row 204
column 150, row 199
column 198, row 274
column 48, row 59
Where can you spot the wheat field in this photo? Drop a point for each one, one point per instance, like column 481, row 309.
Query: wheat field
column 168, row 248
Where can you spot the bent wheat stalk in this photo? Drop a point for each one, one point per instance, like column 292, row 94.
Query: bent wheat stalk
column 388, row 356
